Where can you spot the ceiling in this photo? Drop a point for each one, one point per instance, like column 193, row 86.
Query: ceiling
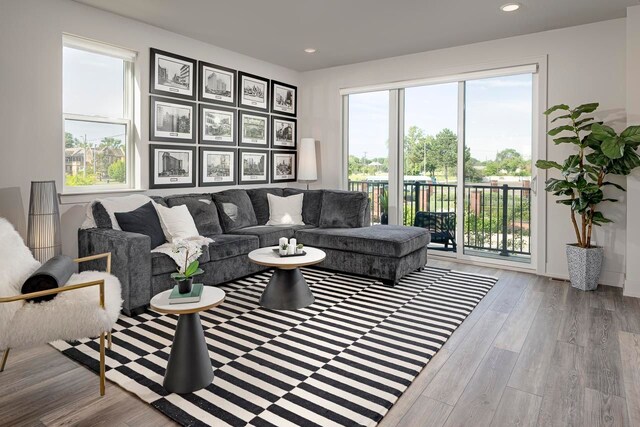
column 350, row 31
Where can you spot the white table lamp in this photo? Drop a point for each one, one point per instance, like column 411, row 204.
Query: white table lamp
column 307, row 167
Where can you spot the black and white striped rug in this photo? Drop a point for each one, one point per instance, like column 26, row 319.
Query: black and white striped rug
column 344, row 360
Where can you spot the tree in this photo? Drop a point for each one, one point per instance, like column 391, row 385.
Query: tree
column 111, row 142
column 419, row 157
column 117, row 171
column 445, row 150
column 70, row 141
column 508, row 162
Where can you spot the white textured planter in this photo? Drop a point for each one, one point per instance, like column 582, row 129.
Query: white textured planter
column 585, row 265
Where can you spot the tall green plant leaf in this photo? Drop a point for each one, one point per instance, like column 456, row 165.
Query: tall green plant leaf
column 556, row 108
column 602, row 132
column 613, row 147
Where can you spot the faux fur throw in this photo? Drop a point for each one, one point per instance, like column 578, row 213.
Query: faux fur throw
column 167, row 248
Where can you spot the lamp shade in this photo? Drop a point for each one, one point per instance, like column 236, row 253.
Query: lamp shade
column 307, row 168
column 43, row 233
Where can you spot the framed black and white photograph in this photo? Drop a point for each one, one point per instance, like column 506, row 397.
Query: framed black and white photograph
column 253, row 92
column 217, row 125
column 172, row 75
column 253, row 166
column 172, row 120
column 253, row 129
column 217, row 84
column 284, row 99
column 218, row 166
column 283, row 133
column 283, row 166
column 171, row 166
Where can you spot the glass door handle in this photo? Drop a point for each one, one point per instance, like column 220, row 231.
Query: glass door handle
column 534, row 185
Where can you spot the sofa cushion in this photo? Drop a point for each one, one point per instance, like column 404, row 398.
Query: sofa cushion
column 231, row 245
column 234, row 210
column 343, row 209
column 260, row 203
column 269, row 234
column 163, row 264
column 285, row 210
column 311, row 204
column 143, row 220
column 381, row 240
column 202, row 209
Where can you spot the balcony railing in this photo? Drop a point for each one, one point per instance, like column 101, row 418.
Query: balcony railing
column 496, row 217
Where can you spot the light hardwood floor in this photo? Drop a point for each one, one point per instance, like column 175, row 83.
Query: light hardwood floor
column 533, row 352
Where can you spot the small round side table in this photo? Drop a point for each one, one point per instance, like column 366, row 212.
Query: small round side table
column 287, row 289
column 189, row 367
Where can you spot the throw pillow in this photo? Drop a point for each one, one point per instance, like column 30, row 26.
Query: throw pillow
column 176, row 222
column 203, row 211
column 235, row 210
column 52, row 274
column 143, row 220
column 285, row 210
column 343, row 209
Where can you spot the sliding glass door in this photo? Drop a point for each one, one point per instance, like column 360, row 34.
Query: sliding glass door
column 457, row 161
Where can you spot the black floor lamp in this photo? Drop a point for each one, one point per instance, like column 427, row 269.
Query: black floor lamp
column 43, row 233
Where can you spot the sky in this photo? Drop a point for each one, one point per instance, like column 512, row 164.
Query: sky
column 102, row 94
column 498, row 116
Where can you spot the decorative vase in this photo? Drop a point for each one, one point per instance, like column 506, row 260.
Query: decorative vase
column 384, row 218
column 585, row 265
column 184, row 286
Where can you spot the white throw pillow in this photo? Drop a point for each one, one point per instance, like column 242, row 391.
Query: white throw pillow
column 176, row 222
column 285, row 210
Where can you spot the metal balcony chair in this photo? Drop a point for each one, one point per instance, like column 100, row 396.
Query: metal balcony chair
column 441, row 225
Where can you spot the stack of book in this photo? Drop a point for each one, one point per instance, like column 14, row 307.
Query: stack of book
column 189, row 298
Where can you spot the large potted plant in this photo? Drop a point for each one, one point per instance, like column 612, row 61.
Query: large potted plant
column 600, row 152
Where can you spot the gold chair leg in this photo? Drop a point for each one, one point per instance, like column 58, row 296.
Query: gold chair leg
column 102, row 364
column 109, row 340
column 5, row 356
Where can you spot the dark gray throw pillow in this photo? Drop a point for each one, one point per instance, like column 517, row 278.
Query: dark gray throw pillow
column 343, row 209
column 52, row 274
column 311, row 204
column 143, row 220
column 234, row 209
column 203, row 211
column 260, row 202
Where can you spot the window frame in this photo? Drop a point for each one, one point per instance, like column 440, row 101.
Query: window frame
column 129, row 59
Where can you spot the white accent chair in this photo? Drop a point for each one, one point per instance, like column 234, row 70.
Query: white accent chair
column 88, row 305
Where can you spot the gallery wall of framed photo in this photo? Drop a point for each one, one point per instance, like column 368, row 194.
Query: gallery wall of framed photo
column 211, row 125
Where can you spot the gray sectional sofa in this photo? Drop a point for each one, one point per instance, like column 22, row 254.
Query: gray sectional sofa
column 335, row 221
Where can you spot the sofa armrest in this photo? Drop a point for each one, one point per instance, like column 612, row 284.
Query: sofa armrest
column 367, row 214
column 130, row 262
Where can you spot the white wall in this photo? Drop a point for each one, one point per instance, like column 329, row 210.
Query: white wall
column 632, row 284
column 31, row 93
column 585, row 64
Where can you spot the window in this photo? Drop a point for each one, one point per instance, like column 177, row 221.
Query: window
column 98, row 116
column 450, row 154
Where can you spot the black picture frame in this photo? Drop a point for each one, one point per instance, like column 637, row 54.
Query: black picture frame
column 275, row 168
column 203, row 151
column 203, row 137
column 204, row 69
column 241, row 176
column 251, row 102
column 154, row 149
column 276, row 137
column 279, row 103
column 244, row 139
column 171, row 60
column 167, row 135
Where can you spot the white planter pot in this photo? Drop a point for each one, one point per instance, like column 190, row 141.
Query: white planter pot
column 585, row 265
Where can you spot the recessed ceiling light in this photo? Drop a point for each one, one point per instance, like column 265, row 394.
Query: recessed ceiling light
column 310, row 50
column 510, row 7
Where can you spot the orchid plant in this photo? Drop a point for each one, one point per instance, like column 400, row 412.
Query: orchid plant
column 187, row 259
